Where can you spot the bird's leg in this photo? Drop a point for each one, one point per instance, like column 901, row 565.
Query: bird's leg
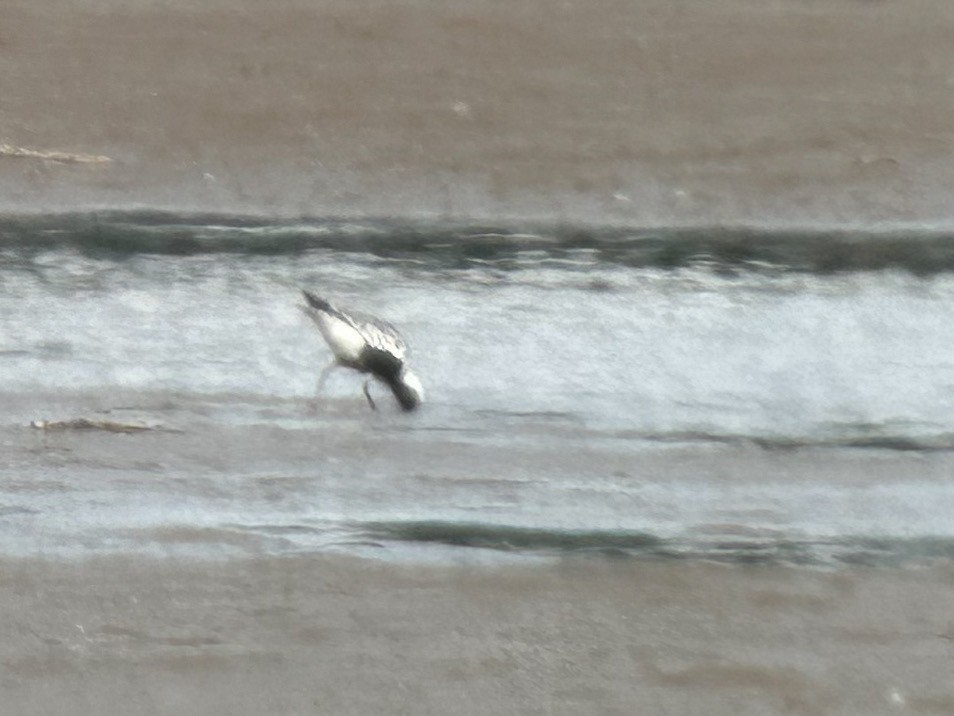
column 323, row 376
column 367, row 394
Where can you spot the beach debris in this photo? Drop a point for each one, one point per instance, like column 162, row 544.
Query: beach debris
column 896, row 697
column 9, row 150
column 86, row 424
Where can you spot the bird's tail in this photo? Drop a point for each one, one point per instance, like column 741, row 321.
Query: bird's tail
column 319, row 304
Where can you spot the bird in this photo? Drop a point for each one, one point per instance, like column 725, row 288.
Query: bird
column 368, row 345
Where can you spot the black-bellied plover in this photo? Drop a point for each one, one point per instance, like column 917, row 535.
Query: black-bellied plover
column 368, row 345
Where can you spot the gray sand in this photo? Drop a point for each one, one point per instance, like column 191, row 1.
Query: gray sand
column 755, row 111
column 325, row 635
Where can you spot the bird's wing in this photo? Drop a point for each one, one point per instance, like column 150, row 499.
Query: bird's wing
column 381, row 335
column 345, row 332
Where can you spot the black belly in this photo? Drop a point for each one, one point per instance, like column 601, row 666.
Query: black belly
column 380, row 363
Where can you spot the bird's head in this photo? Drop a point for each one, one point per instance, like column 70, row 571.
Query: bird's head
column 408, row 390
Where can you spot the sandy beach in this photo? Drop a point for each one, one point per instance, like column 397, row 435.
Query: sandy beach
column 321, row 635
column 645, row 112
column 649, row 112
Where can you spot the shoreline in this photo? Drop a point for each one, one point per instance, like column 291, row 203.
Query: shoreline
column 274, row 480
column 517, row 222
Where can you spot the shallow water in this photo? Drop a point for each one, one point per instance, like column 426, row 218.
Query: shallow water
column 722, row 395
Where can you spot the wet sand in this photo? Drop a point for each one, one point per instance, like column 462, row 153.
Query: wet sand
column 324, row 634
column 736, row 111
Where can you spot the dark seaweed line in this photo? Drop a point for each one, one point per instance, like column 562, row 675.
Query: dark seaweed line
column 458, row 244
column 851, row 550
column 941, row 442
